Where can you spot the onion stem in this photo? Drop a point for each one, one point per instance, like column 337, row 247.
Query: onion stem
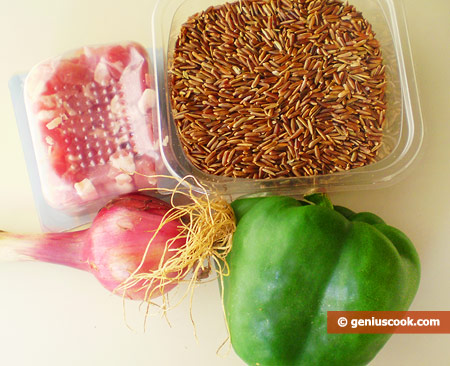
column 58, row 248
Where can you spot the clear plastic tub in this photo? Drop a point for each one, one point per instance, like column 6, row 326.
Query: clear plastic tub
column 90, row 115
column 403, row 133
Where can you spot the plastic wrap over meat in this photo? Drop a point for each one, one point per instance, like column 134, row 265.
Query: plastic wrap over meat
column 91, row 120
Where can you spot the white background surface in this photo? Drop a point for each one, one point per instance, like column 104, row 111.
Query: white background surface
column 51, row 315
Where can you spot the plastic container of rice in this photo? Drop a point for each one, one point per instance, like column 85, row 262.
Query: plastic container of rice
column 285, row 96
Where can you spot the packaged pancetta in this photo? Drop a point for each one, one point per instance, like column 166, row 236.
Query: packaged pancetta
column 90, row 114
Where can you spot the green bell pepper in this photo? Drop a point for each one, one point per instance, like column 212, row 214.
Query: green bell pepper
column 292, row 261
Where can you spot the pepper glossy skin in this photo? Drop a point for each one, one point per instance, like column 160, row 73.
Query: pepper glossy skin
column 292, row 261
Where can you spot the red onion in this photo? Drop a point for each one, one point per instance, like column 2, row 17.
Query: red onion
column 113, row 248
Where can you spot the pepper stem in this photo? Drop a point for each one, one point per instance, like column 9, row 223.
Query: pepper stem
column 319, row 199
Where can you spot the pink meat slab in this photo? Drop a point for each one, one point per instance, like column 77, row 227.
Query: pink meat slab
column 91, row 120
